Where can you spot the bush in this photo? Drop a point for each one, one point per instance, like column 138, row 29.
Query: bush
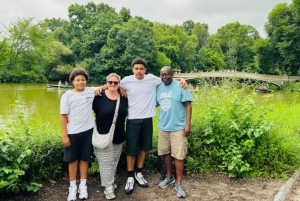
column 234, row 133
column 31, row 152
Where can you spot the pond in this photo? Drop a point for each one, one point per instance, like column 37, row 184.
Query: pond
column 37, row 101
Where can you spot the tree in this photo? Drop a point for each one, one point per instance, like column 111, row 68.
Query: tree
column 176, row 45
column 125, row 13
column 210, row 56
column 201, row 31
column 283, row 29
column 124, row 43
column 24, row 48
column 188, row 26
column 266, row 57
column 244, row 37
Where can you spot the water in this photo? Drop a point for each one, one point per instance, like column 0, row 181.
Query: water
column 37, row 101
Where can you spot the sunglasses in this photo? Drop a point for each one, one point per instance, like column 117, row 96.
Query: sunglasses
column 113, row 82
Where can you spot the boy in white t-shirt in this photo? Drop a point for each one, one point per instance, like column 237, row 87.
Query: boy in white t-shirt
column 77, row 123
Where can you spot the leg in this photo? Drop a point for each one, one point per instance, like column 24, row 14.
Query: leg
column 168, row 164
column 141, row 159
column 179, row 165
column 179, row 150
column 130, row 160
column 83, row 168
column 73, row 168
column 105, row 160
column 117, row 154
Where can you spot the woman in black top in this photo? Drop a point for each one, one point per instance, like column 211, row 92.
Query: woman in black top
column 104, row 108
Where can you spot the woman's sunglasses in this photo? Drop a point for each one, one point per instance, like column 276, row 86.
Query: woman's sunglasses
column 113, row 82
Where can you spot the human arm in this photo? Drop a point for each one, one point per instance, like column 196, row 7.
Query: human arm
column 183, row 83
column 123, row 92
column 188, row 112
column 63, row 123
column 98, row 90
column 104, row 87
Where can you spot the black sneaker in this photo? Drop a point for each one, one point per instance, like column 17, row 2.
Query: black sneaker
column 140, row 180
column 129, row 185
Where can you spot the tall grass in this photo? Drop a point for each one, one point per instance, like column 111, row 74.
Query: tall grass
column 237, row 134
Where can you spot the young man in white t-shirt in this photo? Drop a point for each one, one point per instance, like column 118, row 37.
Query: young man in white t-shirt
column 141, row 92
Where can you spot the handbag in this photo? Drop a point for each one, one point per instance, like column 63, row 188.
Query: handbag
column 104, row 141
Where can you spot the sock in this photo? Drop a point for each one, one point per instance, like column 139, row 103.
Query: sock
column 139, row 170
column 73, row 183
column 130, row 173
column 82, row 182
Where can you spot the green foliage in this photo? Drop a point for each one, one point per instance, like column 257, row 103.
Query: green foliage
column 283, row 31
column 237, row 42
column 31, row 152
column 235, row 133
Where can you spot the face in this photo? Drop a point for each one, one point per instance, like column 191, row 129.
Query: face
column 166, row 76
column 113, row 83
column 139, row 70
column 79, row 83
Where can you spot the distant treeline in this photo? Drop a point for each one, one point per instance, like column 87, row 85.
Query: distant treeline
column 102, row 41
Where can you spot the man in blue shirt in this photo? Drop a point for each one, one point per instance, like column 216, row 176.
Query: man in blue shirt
column 174, row 124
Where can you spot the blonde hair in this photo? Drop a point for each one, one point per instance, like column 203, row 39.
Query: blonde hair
column 113, row 75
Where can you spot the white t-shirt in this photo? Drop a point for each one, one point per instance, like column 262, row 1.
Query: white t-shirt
column 141, row 95
column 78, row 107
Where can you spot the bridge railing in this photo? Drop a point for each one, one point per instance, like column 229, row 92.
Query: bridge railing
column 239, row 75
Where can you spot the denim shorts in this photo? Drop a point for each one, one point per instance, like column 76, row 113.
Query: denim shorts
column 81, row 147
column 139, row 134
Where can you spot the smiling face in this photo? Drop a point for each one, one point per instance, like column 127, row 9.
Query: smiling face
column 139, row 71
column 113, row 83
column 79, row 83
column 166, row 75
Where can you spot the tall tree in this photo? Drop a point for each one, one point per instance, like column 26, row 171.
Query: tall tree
column 124, row 43
column 283, row 28
column 245, row 36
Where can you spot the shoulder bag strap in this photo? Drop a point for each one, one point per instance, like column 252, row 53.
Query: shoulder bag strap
column 117, row 109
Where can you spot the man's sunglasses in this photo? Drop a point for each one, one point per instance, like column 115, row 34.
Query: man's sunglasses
column 111, row 82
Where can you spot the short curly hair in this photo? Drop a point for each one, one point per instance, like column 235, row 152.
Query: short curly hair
column 139, row 61
column 78, row 71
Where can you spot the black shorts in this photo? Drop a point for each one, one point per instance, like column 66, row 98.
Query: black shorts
column 139, row 134
column 81, row 147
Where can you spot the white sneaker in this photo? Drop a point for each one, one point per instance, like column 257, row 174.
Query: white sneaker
column 72, row 193
column 140, row 180
column 109, row 192
column 83, row 194
column 129, row 185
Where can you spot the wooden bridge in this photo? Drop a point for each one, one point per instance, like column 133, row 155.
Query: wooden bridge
column 278, row 80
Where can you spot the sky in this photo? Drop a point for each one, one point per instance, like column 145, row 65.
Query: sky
column 215, row 13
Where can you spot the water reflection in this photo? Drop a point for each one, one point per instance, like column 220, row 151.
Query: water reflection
column 37, row 101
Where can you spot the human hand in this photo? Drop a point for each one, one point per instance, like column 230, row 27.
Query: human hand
column 66, row 142
column 187, row 131
column 99, row 90
column 183, row 83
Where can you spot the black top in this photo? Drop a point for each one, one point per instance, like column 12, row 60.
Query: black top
column 104, row 109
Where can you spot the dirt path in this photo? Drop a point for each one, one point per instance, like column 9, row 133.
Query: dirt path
column 213, row 187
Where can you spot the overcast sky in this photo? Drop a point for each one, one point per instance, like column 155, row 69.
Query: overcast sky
column 215, row 13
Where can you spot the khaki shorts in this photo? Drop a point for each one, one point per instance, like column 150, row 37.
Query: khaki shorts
column 173, row 142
